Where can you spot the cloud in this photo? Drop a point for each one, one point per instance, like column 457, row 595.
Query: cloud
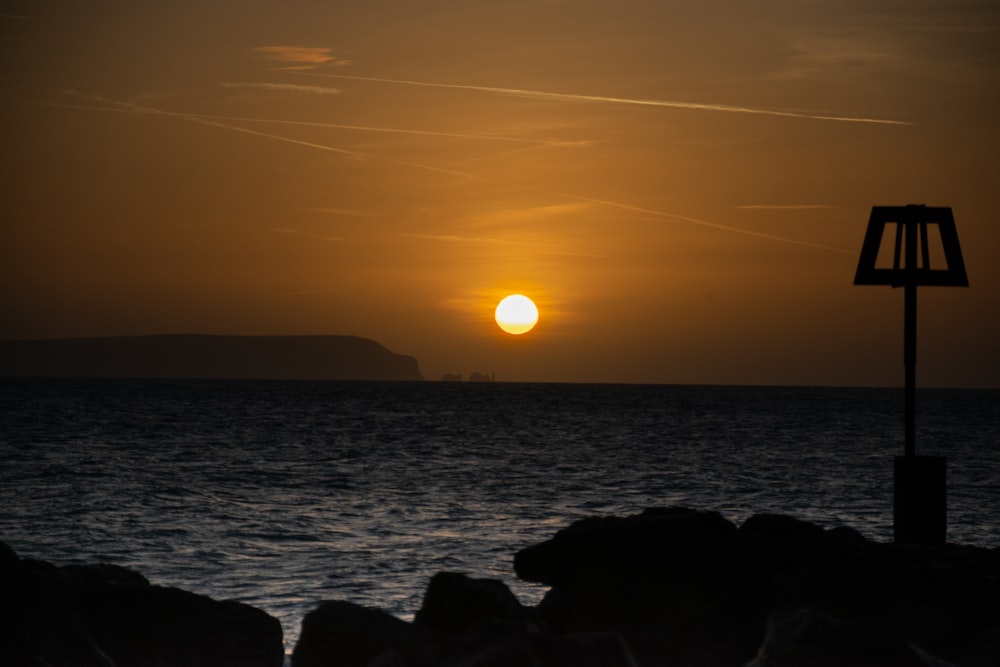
column 337, row 126
column 454, row 238
column 527, row 216
column 817, row 54
column 300, row 57
column 284, row 87
column 549, row 247
column 207, row 120
column 314, row 237
column 458, row 174
column 786, row 207
column 344, row 212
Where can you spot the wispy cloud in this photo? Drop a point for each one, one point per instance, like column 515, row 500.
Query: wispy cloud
column 313, row 237
column 336, row 126
column 782, row 207
column 300, row 57
column 283, row 87
column 547, row 247
column 839, row 54
column 465, row 175
column 455, row 238
column 695, row 221
column 525, row 217
column 129, row 106
column 539, row 94
column 343, row 212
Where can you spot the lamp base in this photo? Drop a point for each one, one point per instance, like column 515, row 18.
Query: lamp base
column 920, row 500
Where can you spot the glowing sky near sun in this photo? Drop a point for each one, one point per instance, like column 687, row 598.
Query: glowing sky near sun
column 682, row 187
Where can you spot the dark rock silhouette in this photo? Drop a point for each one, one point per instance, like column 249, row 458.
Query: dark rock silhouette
column 105, row 615
column 682, row 587
column 809, row 637
column 654, row 541
column 457, row 604
column 350, row 635
column 474, row 615
column 203, row 356
column 463, row 622
column 591, row 649
column 663, row 580
column 673, row 587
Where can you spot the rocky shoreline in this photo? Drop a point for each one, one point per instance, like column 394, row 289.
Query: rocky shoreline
column 668, row 587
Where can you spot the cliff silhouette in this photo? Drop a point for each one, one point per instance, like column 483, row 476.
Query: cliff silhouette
column 207, row 356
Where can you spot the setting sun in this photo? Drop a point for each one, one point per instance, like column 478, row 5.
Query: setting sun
column 516, row 314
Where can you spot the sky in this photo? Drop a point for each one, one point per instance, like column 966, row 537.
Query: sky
column 682, row 186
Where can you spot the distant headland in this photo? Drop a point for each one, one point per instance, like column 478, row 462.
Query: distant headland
column 207, row 356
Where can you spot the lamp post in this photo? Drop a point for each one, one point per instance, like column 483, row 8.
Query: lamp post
column 919, row 497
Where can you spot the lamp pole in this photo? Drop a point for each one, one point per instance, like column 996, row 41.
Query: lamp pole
column 920, row 485
column 910, row 337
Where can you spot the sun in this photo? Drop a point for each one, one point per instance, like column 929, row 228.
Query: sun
column 516, row 314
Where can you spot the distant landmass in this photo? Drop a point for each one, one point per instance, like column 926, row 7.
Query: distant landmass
column 207, row 356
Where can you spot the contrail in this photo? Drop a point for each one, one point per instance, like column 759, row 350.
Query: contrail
column 283, row 87
column 693, row 221
column 208, row 120
column 785, row 207
column 459, row 174
column 194, row 118
column 306, row 123
column 617, row 100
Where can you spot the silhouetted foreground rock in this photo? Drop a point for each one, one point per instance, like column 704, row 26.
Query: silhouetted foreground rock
column 810, row 637
column 463, row 622
column 683, row 588
column 687, row 588
column 664, row 588
column 109, row 616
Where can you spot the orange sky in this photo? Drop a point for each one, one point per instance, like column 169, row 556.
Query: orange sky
column 682, row 187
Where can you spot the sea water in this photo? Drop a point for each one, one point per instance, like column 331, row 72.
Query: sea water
column 283, row 494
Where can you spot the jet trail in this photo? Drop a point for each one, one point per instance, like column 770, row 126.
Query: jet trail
column 305, row 123
column 208, row 120
column 195, row 118
column 693, row 221
column 617, row 100
column 452, row 172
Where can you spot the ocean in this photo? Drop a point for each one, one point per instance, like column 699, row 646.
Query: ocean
column 281, row 494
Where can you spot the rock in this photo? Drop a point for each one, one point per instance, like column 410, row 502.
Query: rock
column 343, row 634
column 809, row 637
column 574, row 650
column 663, row 580
column 38, row 627
column 653, row 542
column 103, row 573
column 687, row 587
column 460, row 616
column 8, row 558
column 460, row 605
column 154, row 625
column 350, row 635
column 105, row 615
column 940, row 598
column 777, row 543
column 472, row 614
